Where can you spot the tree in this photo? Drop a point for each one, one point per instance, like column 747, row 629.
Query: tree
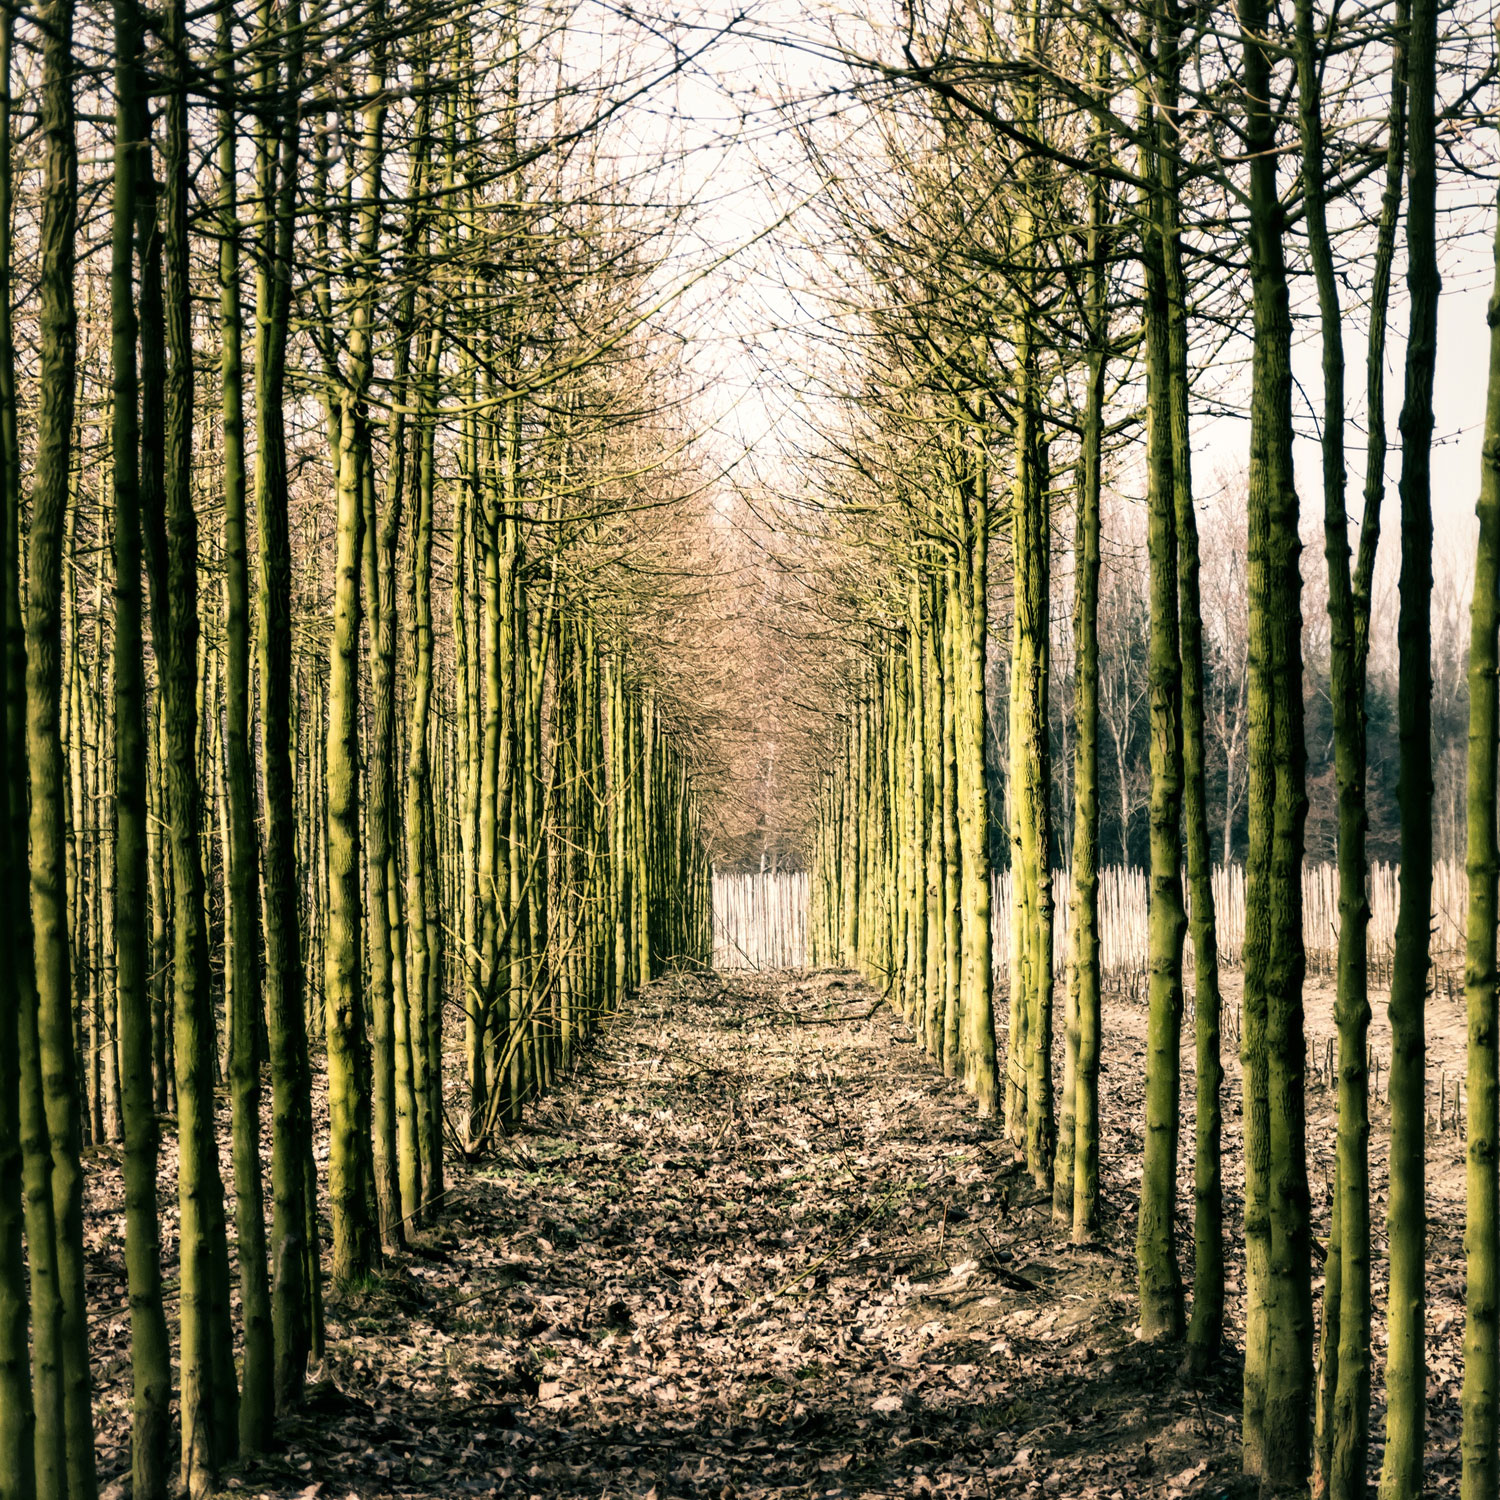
column 50, row 925
column 1481, row 1380
column 150, row 1359
column 1278, row 1357
column 1406, row 1362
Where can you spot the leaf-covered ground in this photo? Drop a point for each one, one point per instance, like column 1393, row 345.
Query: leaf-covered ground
column 759, row 1246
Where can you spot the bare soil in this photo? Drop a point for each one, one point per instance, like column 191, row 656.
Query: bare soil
column 758, row 1247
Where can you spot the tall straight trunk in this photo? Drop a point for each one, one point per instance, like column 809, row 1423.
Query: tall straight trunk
column 18, row 1415
column 1031, row 1104
column 419, row 799
column 52, row 461
column 1087, row 977
column 207, row 1373
column 77, row 822
column 1205, row 1331
column 156, row 854
column 468, row 755
column 951, row 855
column 1159, row 1277
column 1348, row 753
column 915, row 813
column 399, row 1137
column 641, row 746
column 349, row 1164
column 1031, row 681
column 1031, row 876
column 258, row 1393
column 294, row 1256
column 492, row 765
column 150, row 1355
column 387, row 546
column 849, row 882
column 1406, row 1359
column 1343, row 1403
column 353, row 1233
column 1480, row 1440
column 1279, row 1331
column 380, row 995
column 934, row 828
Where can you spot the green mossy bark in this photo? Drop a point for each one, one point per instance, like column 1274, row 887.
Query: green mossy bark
column 54, row 1066
column 1406, row 1360
column 150, row 1355
column 1480, row 1438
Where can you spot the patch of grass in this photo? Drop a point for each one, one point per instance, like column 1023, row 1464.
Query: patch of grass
column 1008, row 1414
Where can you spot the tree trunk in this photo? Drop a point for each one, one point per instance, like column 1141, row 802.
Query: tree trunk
column 294, row 1256
column 1279, row 1331
column 50, row 481
column 258, row 1400
column 1480, row 1441
column 150, row 1355
column 1406, row 1360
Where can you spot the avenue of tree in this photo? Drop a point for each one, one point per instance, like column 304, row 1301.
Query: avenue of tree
column 353, row 534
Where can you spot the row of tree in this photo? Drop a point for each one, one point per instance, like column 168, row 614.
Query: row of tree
column 328, row 721
column 1060, row 226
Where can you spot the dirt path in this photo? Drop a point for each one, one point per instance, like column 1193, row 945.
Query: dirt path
column 760, row 1247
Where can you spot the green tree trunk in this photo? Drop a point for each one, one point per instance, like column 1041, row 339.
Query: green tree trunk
column 294, row 1255
column 150, row 1355
column 1279, row 1331
column 1031, row 874
column 1406, row 1360
column 258, row 1396
column 420, row 877
column 380, row 994
column 171, row 552
column 350, row 1167
column 1205, row 1331
column 1087, row 977
column 52, row 460
column 1480, row 1441
column 1343, row 1417
column 1159, row 1277
column 18, row 1416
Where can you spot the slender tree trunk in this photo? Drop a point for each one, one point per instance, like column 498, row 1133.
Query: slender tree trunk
column 1342, row 1433
column 1205, row 1331
column 349, row 1163
column 294, row 1258
column 1406, row 1360
column 209, row 1398
column 18, row 1415
column 258, row 1397
column 1279, row 1330
column 150, row 1358
column 377, row 850
column 1156, row 1240
column 50, row 481
column 419, row 874
column 1480, row 1442
column 1084, row 1185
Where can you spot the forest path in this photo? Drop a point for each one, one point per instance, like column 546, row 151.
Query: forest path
column 759, row 1246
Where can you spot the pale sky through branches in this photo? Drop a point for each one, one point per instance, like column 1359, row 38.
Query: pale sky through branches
column 749, row 326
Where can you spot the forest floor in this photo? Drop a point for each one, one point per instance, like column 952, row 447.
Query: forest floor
column 758, row 1247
